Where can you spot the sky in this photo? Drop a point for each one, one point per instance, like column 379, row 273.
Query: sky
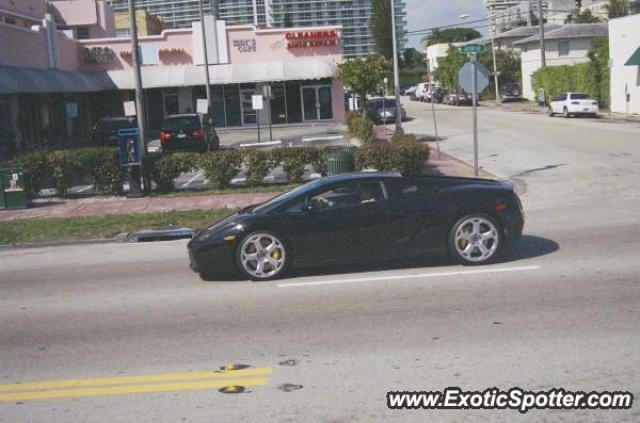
column 432, row 13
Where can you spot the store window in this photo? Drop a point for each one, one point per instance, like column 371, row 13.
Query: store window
column 170, row 102
column 293, row 102
column 232, row 105
column 563, row 48
column 82, row 33
column 278, row 103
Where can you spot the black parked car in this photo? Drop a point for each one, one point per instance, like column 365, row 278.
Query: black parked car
column 188, row 132
column 105, row 130
column 383, row 109
column 362, row 217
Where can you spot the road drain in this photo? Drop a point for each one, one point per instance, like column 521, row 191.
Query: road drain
column 290, row 362
column 161, row 234
column 288, row 387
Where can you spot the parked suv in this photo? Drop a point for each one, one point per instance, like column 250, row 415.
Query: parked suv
column 188, row 132
column 572, row 104
column 383, row 109
column 510, row 92
column 105, row 130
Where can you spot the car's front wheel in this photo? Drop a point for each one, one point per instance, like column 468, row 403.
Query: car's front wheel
column 475, row 239
column 262, row 256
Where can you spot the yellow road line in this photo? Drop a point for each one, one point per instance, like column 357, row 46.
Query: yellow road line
column 132, row 389
column 122, row 380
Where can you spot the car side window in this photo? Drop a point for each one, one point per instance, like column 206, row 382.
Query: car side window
column 404, row 188
column 342, row 196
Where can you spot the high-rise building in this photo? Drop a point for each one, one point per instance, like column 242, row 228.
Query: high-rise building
column 352, row 15
column 174, row 13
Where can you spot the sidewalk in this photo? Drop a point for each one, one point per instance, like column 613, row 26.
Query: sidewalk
column 530, row 107
column 446, row 165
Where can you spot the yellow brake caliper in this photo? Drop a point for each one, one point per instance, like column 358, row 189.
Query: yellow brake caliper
column 276, row 254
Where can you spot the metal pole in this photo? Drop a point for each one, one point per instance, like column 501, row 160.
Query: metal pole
column 270, row 113
column 495, row 68
column 542, row 47
column 140, row 106
column 396, row 72
column 476, row 169
column 206, row 58
column 433, row 110
column 258, row 121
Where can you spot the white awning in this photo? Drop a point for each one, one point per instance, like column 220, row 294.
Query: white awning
column 27, row 80
column 182, row 76
column 15, row 80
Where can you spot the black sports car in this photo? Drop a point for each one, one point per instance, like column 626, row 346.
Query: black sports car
column 363, row 217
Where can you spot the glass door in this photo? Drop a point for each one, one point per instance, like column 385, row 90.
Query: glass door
column 317, row 102
column 310, row 103
column 325, row 105
column 249, row 116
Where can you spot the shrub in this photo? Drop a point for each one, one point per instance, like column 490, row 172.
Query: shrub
column 60, row 169
column 35, row 167
column 163, row 171
column 404, row 154
column 360, row 127
column 293, row 161
column 220, row 166
column 102, row 165
column 258, row 163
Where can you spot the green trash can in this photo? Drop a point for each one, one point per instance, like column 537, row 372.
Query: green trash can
column 13, row 194
column 340, row 160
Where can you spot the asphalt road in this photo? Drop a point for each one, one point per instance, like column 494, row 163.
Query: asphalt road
column 563, row 311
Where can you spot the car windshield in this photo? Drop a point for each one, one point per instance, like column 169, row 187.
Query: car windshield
column 579, row 97
column 181, row 122
column 387, row 103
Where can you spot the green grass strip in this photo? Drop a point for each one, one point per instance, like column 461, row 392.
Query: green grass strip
column 102, row 227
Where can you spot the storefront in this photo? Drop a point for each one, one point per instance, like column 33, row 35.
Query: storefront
column 293, row 68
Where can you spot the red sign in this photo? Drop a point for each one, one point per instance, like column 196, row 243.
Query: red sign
column 307, row 39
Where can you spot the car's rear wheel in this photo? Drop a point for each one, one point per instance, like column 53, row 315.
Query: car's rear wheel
column 565, row 112
column 550, row 112
column 262, row 256
column 475, row 239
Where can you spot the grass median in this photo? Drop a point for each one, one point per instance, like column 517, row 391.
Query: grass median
column 102, row 227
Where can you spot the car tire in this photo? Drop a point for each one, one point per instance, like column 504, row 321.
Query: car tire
column 550, row 112
column 476, row 239
column 262, row 256
column 565, row 113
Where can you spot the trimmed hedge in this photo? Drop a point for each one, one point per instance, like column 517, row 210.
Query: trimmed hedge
column 97, row 163
column 403, row 154
column 360, row 126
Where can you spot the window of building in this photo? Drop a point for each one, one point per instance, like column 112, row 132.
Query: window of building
column 122, row 32
column 82, row 33
column 563, row 48
column 9, row 20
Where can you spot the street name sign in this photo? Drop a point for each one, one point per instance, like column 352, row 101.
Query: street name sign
column 472, row 48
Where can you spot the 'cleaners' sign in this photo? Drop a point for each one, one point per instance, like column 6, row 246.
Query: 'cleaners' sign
column 307, row 39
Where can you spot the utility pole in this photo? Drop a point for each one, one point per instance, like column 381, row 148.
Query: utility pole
column 543, row 52
column 206, row 58
column 140, row 106
column 396, row 72
column 495, row 67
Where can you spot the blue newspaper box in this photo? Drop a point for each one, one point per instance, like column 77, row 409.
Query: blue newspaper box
column 129, row 148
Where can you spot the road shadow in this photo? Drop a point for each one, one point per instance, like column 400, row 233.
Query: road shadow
column 528, row 247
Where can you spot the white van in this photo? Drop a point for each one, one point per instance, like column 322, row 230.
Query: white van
column 425, row 90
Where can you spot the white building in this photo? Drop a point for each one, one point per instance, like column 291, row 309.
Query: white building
column 567, row 45
column 624, row 51
column 435, row 53
column 509, row 14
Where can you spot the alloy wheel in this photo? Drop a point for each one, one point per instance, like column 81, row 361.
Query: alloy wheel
column 476, row 239
column 262, row 256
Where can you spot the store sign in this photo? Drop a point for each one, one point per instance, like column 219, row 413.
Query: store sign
column 126, row 54
column 245, row 45
column 308, row 39
column 98, row 55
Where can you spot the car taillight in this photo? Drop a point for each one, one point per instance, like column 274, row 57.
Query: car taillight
column 575, row 103
column 164, row 136
column 198, row 133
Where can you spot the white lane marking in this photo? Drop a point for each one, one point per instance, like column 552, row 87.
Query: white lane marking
column 418, row 276
column 199, row 174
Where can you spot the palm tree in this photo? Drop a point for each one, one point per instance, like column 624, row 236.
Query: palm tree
column 617, row 8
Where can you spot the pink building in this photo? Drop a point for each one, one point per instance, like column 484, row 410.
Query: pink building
column 55, row 82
